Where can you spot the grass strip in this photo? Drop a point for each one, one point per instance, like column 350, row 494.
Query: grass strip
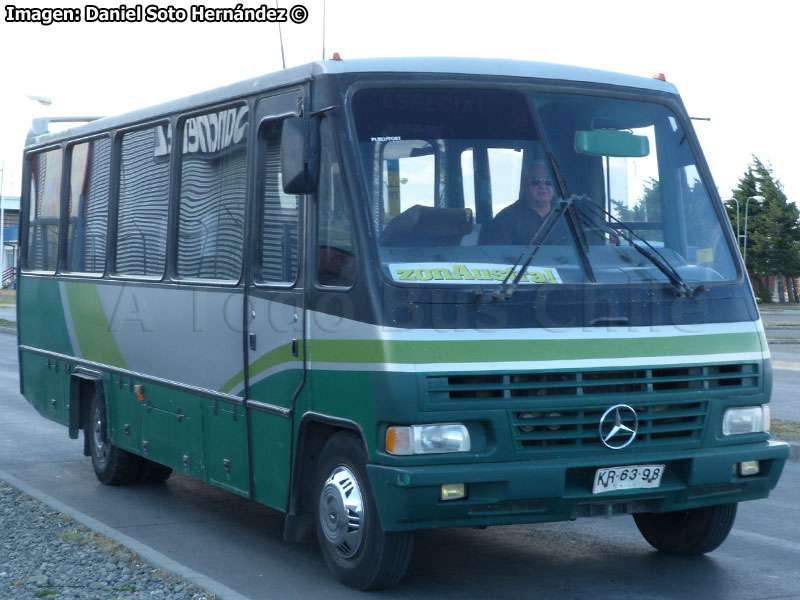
column 786, row 430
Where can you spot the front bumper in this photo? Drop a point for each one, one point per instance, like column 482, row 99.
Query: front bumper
column 407, row 498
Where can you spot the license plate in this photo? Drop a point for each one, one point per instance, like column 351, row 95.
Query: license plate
column 627, row 478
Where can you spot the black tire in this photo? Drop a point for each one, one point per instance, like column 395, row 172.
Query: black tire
column 687, row 532
column 153, row 472
column 356, row 549
column 112, row 465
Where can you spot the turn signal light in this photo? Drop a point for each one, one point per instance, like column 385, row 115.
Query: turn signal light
column 436, row 438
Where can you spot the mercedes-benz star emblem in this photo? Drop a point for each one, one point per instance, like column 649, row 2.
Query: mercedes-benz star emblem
column 613, row 427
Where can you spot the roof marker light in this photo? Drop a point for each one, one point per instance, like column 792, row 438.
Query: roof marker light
column 336, row 56
column 659, row 76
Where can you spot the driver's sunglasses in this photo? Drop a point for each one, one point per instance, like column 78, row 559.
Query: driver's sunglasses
column 540, row 181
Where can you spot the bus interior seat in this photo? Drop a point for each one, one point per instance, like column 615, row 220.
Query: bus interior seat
column 428, row 226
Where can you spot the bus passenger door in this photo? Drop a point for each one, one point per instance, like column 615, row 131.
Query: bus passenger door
column 274, row 333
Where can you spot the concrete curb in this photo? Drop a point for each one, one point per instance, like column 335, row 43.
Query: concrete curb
column 149, row 554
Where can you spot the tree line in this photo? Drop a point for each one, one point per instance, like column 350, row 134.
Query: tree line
column 772, row 234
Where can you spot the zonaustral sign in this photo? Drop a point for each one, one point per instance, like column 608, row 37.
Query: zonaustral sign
column 460, row 272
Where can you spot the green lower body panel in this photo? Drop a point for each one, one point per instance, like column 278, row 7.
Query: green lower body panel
column 271, row 448
column 46, row 386
column 560, row 489
column 225, row 444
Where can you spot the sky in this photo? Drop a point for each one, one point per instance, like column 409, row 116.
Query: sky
column 731, row 61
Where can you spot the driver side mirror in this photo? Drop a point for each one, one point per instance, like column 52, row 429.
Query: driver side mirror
column 300, row 155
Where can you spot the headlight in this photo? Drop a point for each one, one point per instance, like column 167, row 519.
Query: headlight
column 427, row 439
column 750, row 419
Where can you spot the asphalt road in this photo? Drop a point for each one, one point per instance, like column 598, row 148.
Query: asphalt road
column 780, row 314
column 239, row 543
column 785, row 402
column 8, row 312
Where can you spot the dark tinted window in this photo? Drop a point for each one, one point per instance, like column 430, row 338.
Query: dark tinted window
column 212, row 195
column 336, row 260
column 45, row 209
column 88, row 206
column 280, row 214
column 143, row 201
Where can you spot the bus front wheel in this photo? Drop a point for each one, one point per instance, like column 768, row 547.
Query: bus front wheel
column 112, row 465
column 356, row 549
column 687, row 532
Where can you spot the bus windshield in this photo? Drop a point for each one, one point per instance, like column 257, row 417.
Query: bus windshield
column 460, row 179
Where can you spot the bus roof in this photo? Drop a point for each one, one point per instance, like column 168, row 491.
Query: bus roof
column 448, row 65
column 490, row 66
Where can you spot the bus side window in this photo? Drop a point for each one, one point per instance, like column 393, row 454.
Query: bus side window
column 280, row 225
column 336, row 261
column 213, row 185
column 143, row 203
column 88, row 206
column 45, row 210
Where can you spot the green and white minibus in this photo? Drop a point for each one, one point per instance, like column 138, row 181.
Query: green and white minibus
column 288, row 288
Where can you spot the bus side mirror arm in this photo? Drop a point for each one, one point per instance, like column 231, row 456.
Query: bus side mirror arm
column 300, row 155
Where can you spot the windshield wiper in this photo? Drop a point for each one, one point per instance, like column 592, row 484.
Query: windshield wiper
column 573, row 218
column 682, row 289
column 506, row 289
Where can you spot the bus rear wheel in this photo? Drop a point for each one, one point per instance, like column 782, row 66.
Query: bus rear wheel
column 112, row 465
column 356, row 549
column 687, row 532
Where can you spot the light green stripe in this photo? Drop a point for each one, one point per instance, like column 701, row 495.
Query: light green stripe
column 762, row 337
column 91, row 326
column 272, row 358
column 476, row 351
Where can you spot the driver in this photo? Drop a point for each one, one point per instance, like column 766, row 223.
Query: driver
column 517, row 224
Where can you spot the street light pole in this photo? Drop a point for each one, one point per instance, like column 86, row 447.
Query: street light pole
column 41, row 100
column 738, row 235
column 746, row 203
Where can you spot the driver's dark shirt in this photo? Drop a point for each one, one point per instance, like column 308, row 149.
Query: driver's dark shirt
column 516, row 225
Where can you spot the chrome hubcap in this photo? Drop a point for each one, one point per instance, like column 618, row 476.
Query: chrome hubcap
column 341, row 512
column 100, row 448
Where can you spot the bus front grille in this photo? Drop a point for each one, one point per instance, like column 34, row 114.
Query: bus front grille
column 560, row 428
column 561, row 410
column 580, row 384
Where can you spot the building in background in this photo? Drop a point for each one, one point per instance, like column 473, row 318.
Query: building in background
column 10, row 209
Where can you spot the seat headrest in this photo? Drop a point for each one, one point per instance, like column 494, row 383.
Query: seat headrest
column 428, row 226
